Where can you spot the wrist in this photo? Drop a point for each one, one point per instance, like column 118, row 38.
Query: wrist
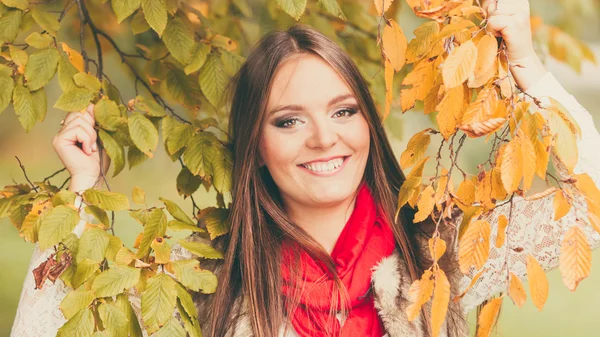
column 80, row 184
column 527, row 71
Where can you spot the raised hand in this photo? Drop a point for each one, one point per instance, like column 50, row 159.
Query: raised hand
column 76, row 147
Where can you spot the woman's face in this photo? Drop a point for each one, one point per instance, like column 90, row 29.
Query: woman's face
column 315, row 143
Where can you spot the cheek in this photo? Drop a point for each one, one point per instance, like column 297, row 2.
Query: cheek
column 277, row 151
column 358, row 136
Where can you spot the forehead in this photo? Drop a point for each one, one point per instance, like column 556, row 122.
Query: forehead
column 307, row 80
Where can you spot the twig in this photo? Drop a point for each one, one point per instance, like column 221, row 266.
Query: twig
column 25, row 174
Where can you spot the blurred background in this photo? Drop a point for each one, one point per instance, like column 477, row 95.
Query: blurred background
column 565, row 313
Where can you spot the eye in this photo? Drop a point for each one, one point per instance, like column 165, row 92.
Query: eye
column 345, row 112
column 287, row 122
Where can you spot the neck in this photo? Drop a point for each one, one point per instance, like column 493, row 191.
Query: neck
column 323, row 224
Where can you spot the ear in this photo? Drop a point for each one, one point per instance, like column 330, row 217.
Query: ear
column 261, row 162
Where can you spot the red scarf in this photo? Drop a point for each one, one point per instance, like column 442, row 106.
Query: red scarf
column 364, row 242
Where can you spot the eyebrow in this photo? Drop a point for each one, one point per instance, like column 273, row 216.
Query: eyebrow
column 296, row 107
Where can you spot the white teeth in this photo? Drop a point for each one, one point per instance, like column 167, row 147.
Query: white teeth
column 325, row 167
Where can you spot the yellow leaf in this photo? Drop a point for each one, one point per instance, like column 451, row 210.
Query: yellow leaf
column 474, row 246
column 516, row 291
column 419, row 293
column 450, row 111
column 432, row 98
column 505, row 83
column 512, row 165
column 439, row 304
column 415, row 149
column 502, row 223
column 586, row 185
column 498, row 191
column 561, row 205
column 459, row 65
column 485, row 69
column 575, row 258
column 394, row 44
column 538, row 282
column 488, row 317
column 440, row 248
column 423, row 41
column 441, row 188
column 528, row 160
column 471, row 284
column 465, row 194
column 386, row 5
column 416, row 193
column 479, row 117
column 565, row 144
column 421, row 80
column 389, row 84
column 425, row 204
column 74, row 57
column 478, row 129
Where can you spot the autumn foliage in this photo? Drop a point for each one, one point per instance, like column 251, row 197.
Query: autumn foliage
column 184, row 55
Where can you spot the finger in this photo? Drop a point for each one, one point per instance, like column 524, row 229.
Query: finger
column 78, row 134
column 76, row 114
column 497, row 23
column 85, row 126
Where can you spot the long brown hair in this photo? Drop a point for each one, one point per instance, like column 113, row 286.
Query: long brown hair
column 251, row 268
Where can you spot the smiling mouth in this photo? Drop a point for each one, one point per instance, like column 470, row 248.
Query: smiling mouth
column 325, row 167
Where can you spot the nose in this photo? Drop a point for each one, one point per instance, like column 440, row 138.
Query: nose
column 324, row 134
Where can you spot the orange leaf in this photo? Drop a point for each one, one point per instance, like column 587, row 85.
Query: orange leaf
column 421, row 79
column 425, row 204
column 74, row 57
column 586, row 185
column 483, row 108
column 565, row 144
column 538, row 282
column 465, row 194
column 541, row 194
column 415, row 149
column 506, row 85
column 459, row 65
column 439, row 304
column 498, row 191
column 487, row 50
column 389, row 83
column 386, row 5
column 478, row 129
column 488, row 317
column 575, row 258
column 528, row 160
column 450, row 111
column 423, row 41
column 440, row 248
column 438, row 13
column 502, row 223
column 516, row 291
column 561, row 205
column 441, row 187
column 474, row 246
column 512, row 167
column 473, row 281
column 419, row 293
column 394, row 44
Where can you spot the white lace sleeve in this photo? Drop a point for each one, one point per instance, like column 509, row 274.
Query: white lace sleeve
column 38, row 314
column 532, row 229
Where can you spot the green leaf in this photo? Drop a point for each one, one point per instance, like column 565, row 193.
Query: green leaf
column 182, row 88
column 124, row 8
column 115, row 151
column 201, row 249
column 115, row 280
column 199, row 154
column 24, row 107
column 185, row 298
column 98, row 213
column 177, row 225
column 80, row 325
column 295, row 8
column 20, row 4
column 46, row 20
column 135, row 157
column 176, row 211
column 231, row 62
column 158, row 301
column 213, row 80
column 41, row 68
column 115, row 321
column 10, row 22
column 155, row 12
column 56, row 225
column 149, row 106
column 216, row 221
column 179, row 39
column 222, row 165
column 74, row 100
column 84, row 270
column 39, row 41
column 179, row 137
column 111, row 91
column 107, row 114
column 138, row 23
column 66, row 71
column 187, row 183
column 63, row 197
column 75, row 301
column 87, row 81
column 138, row 195
column 93, row 245
column 171, row 329
column 244, row 7
column 107, row 200
column 201, row 51
column 143, row 133
column 155, row 227
column 40, row 105
column 18, row 56
column 134, row 327
column 189, row 273
column 7, row 84
column 332, row 7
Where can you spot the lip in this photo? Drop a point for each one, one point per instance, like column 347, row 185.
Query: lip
column 325, row 174
column 324, row 160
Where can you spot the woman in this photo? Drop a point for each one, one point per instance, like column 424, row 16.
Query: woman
column 313, row 248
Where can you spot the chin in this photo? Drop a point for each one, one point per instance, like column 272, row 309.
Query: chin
column 336, row 193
